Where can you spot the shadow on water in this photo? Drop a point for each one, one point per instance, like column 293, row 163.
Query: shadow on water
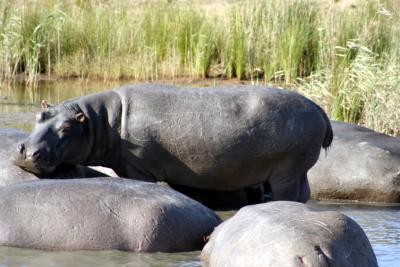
column 17, row 110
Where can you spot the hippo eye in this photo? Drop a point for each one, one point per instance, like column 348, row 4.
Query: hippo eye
column 65, row 127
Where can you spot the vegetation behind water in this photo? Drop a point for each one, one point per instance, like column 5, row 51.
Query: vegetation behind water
column 345, row 57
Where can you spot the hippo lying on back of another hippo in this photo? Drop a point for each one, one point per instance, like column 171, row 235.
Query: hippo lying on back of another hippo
column 11, row 174
column 215, row 139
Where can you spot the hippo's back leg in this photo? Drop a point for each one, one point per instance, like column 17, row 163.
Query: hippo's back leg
column 291, row 188
column 305, row 191
column 289, row 180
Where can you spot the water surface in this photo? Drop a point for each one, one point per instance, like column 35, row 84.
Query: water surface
column 381, row 224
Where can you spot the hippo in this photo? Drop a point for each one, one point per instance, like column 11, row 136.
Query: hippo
column 102, row 214
column 224, row 138
column 10, row 174
column 363, row 165
column 284, row 233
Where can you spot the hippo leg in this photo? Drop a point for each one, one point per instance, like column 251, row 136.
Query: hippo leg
column 267, row 191
column 289, row 190
column 294, row 189
column 255, row 194
column 289, row 185
column 304, row 189
column 289, row 179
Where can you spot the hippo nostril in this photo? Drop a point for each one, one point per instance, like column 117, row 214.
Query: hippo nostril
column 21, row 148
column 36, row 154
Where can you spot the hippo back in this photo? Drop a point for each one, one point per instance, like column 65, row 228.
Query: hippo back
column 102, row 214
column 222, row 138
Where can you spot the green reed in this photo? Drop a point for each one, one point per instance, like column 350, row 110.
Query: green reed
column 346, row 58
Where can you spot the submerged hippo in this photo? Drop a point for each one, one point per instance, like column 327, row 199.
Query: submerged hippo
column 288, row 234
column 363, row 165
column 218, row 139
column 11, row 174
column 102, row 214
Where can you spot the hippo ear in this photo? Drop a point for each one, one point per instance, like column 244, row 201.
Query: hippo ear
column 40, row 117
column 45, row 105
column 80, row 117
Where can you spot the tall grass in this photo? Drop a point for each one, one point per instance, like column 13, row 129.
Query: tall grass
column 346, row 58
column 368, row 91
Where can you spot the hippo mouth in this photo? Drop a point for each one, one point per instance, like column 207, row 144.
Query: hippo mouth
column 37, row 167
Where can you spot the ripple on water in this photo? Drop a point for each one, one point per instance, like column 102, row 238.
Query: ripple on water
column 35, row 258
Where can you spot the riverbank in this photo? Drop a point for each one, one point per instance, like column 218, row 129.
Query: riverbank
column 345, row 55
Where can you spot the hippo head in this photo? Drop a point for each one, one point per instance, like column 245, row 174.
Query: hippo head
column 58, row 138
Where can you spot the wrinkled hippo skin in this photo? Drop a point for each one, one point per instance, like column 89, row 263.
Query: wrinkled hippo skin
column 102, row 214
column 361, row 165
column 10, row 174
column 210, row 138
column 288, row 234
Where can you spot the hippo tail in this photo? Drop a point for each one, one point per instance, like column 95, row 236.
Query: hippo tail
column 329, row 132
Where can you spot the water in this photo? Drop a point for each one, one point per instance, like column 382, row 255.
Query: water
column 381, row 224
column 25, row 257
column 17, row 108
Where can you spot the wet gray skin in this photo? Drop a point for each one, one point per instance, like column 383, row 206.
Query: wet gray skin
column 362, row 165
column 289, row 234
column 216, row 139
column 11, row 174
column 102, row 214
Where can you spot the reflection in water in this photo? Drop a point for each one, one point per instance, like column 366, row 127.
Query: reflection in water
column 20, row 99
column 17, row 107
column 34, row 258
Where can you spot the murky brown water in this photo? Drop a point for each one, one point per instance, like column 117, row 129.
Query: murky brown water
column 17, row 108
column 381, row 224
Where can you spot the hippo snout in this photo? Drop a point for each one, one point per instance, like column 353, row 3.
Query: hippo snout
column 34, row 160
column 28, row 155
column 21, row 149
